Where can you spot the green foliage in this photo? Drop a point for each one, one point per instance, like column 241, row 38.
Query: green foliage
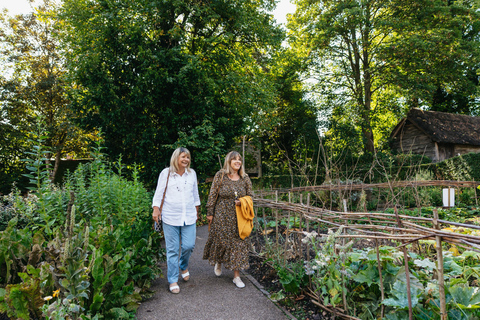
column 152, row 74
column 327, row 267
column 434, row 58
column 372, row 60
column 286, row 132
column 205, row 138
column 32, row 83
column 337, row 267
column 464, row 168
column 424, row 292
column 14, row 251
column 292, row 276
column 97, row 260
column 25, row 299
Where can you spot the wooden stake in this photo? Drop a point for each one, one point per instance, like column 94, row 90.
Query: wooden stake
column 276, row 217
column 382, row 290
column 476, row 199
column 407, row 271
column 308, row 227
column 286, row 231
column 441, row 280
column 344, row 297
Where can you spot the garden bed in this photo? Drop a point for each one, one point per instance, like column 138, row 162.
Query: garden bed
column 299, row 305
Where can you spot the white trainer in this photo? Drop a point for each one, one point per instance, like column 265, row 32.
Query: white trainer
column 238, row 282
column 218, row 269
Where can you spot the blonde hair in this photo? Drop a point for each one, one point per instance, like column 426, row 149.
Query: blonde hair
column 228, row 168
column 174, row 159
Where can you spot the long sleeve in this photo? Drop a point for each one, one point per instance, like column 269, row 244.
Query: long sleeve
column 196, row 197
column 248, row 186
column 161, row 184
column 213, row 195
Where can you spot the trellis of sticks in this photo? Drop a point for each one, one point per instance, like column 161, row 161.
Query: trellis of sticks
column 367, row 225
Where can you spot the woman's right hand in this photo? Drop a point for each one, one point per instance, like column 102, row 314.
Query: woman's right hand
column 156, row 215
column 209, row 218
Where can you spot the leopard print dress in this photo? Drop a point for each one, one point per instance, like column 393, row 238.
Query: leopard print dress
column 224, row 244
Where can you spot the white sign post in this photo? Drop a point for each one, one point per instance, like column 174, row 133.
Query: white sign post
column 448, row 197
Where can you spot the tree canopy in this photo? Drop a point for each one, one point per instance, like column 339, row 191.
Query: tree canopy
column 362, row 50
column 152, row 74
column 32, row 87
column 155, row 75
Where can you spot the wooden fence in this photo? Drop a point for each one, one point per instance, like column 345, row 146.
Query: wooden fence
column 376, row 226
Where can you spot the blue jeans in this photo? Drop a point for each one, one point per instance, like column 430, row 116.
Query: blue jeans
column 173, row 237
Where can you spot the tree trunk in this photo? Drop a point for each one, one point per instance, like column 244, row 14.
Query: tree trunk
column 53, row 174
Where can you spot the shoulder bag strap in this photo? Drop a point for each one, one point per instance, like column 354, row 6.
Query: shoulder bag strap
column 164, row 191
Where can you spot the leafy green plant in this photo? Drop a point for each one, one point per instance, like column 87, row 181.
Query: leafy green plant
column 101, row 256
column 292, row 276
column 326, row 267
column 23, row 299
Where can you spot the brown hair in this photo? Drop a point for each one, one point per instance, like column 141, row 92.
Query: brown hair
column 229, row 157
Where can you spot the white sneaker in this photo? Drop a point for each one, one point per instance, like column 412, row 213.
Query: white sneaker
column 218, row 269
column 238, row 282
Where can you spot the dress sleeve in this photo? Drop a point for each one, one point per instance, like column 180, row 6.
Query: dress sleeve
column 248, row 186
column 213, row 195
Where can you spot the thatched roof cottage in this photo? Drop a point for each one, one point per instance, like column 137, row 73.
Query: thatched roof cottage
column 437, row 135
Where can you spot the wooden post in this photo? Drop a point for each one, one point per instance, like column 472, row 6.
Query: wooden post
column 441, row 280
column 300, row 229
column 344, row 296
column 474, row 188
column 286, row 231
column 407, row 271
column 276, row 217
column 382, row 290
column 264, row 225
column 257, row 224
column 308, row 227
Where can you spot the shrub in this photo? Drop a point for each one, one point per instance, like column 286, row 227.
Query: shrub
column 90, row 243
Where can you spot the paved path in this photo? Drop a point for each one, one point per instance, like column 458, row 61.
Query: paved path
column 208, row 297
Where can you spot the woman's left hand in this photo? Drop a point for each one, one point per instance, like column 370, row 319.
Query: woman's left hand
column 238, row 203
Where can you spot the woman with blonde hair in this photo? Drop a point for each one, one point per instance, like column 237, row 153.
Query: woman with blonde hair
column 224, row 244
column 176, row 205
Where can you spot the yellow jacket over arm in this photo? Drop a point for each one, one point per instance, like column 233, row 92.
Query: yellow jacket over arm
column 245, row 215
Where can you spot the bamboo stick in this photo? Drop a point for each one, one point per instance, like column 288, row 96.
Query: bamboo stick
column 407, row 274
column 441, row 280
column 475, row 189
column 382, row 289
column 276, row 219
column 445, row 233
column 308, row 226
column 287, row 231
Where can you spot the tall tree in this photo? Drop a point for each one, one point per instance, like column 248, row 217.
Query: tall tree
column 360, row 49
column 287, row 130
column 32, row 85
column 152, row 74
column 435, row 58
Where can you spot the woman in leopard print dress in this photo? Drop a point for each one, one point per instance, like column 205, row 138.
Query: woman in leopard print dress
column 224, row 245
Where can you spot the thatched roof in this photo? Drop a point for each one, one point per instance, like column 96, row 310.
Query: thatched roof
column 443, row 127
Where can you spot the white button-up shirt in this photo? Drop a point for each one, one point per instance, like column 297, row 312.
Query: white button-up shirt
column 181, row 197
